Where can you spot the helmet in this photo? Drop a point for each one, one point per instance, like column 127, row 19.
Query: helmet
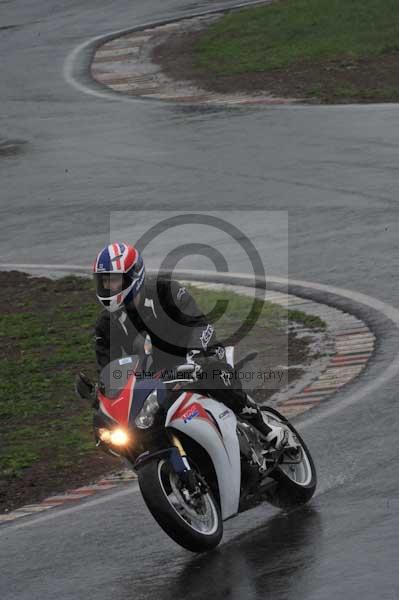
column 119, row 275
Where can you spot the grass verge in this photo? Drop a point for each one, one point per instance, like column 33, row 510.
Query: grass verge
column 276, row 36
column 328, row 50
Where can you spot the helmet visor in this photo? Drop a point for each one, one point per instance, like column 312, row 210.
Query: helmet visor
column 110, row 284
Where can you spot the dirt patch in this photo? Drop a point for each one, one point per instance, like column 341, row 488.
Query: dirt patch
column 370, row 79
column 38, row 481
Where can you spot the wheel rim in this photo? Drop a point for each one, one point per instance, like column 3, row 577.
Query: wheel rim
column 203, row 517
column 300, row 473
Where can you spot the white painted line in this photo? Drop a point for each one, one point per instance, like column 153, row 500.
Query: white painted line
column 31, row 508
column 46, row 267
column 73, row 82
column 11, row 517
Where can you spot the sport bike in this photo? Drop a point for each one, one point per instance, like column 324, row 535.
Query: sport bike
column 197, row 463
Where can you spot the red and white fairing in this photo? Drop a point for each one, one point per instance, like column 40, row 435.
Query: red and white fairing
column 212, row 425
column 118, row 409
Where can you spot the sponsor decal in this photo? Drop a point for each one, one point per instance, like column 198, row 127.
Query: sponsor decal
column 224, row 414
column 125, row 361
column 190, row 414
column 206, row 336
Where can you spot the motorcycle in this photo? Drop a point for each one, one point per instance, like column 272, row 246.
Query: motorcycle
column 197, row 463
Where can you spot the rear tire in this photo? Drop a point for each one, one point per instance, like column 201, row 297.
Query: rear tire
column 196, row 530
column 292, row 489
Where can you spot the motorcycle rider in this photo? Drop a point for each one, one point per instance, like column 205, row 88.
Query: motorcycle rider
column 137, row 306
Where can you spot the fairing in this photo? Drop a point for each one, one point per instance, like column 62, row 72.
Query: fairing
column 212, row 425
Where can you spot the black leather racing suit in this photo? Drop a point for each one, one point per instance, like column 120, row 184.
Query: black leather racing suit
column 170, row 316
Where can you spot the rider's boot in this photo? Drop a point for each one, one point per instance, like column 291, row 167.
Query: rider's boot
column 277, row 436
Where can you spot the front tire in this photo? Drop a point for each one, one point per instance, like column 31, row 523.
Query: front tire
column 197, row 527
column 294, row 485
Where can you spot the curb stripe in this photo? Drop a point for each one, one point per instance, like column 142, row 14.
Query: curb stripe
column 301, row 401
column 115, row 53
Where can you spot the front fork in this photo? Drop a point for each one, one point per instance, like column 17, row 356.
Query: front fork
column 187, row 475
column 177, row 458
column 182, row 453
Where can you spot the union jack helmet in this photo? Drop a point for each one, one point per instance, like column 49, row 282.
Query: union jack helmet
column 119, row 274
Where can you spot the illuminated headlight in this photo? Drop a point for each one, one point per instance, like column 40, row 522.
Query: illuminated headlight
column 114, row 437
column 145, row 418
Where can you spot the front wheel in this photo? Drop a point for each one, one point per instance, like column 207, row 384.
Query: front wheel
column 295, row 476
column 193, row 521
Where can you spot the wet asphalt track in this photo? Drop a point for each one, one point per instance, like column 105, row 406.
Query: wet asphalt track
column 335, row 170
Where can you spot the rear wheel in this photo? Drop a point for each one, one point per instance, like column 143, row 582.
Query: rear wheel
column 193, row 520
column 295, row 476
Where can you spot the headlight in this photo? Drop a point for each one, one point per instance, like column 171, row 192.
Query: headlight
column 145, row 418
column 114, row 437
